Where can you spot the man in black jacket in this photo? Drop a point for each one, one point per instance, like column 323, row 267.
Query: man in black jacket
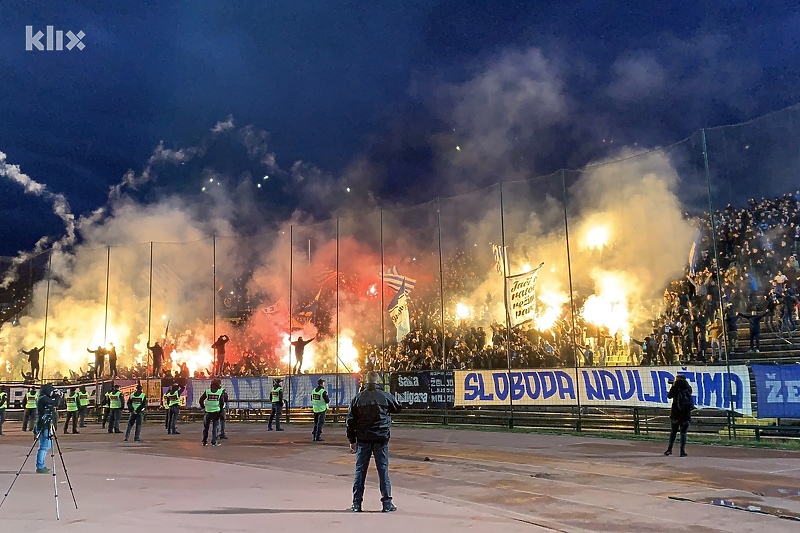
column 368, row 422
column 681, row 412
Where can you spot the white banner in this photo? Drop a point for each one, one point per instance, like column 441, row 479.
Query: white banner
column 609, row 386
column 521, row 296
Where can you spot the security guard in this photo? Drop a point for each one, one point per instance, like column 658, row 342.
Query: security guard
column 319, row 404
column 172, row 401
column 137, row 402
column 83, row 406
column 3, row 405
column 115, row 408
column 72, row 410
column 212, row 401
column 276, row 397
column 30, row 409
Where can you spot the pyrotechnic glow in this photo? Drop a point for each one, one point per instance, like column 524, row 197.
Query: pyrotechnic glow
column 609, row 307
column 550, row 305
column 373, row 290
column 463, row 311
column 526, row 267
column 196, row 359
column 347, row 352
column 597, row 238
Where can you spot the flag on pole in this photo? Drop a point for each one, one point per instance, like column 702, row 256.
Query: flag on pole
column 309, row 310
column 695, row 252
column 501, row 259
column 393, row 279
column 521, row 296
column 398, row 312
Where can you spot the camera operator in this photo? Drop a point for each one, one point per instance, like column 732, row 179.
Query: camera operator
column 47, row 410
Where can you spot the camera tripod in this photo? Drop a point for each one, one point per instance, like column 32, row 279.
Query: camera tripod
column 53, row 437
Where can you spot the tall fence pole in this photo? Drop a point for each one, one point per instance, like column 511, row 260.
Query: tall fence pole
column 216, row 371
column 383, row 311
column 291, row 280
column 46, row 312
column 108, row 276
column 441, row 301
column 731, row 415
column 578, row 423
column 149, row 318
column 338, row 329
column 504, row 256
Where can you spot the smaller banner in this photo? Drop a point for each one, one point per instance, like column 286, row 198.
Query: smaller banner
column 521, row 296
column 777, row 390
column 410, row 389
column 423, row 390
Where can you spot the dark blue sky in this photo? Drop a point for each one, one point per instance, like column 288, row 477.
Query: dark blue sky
column 378, row 88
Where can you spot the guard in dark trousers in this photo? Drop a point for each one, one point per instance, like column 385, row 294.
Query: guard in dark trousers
column 276, row 397
column 212, row 402
column 222, row 411
column 368, row 423
column 71, row 400
column 681, row 413
column 115, row 410
column 319, row 404
column 30, row 409
column 3, row 405
column 83, row 406
column 137, row 403
column 172, row 401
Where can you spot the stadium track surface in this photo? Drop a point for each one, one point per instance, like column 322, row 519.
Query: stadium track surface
column 473, row 480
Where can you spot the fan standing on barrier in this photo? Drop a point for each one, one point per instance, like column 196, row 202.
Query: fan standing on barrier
column 137, row 402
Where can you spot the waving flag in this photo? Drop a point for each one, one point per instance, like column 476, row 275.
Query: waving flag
column 309, row 310
column 398, row 312
column 325, row 275
column 393, row 279
column 500, row 259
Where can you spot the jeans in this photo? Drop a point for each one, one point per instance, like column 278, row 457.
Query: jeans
column 172, row 418
column 365, row 450
column 222, row 422
column 275, row 415
column 208, row 419
column 319, row 421
column 135, row 418
column 82, row 415
column 2, row 419
column 683, row 427
column 44, row 445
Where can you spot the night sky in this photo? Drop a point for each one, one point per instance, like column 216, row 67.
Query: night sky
column 371, row 95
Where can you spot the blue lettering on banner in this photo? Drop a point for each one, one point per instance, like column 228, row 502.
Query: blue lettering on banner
column 777, row 390
column 630, row 386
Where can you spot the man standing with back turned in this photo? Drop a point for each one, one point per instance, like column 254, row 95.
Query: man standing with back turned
column 368, row 422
